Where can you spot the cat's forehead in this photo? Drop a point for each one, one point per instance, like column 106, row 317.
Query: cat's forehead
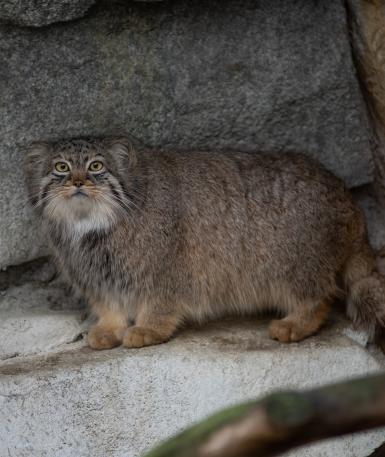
column 78, row 150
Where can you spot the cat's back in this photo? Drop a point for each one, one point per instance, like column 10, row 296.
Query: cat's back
column 273, row 181
column 274, row 200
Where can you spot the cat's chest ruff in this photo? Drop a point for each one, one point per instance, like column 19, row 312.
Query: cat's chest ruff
column 100, row 275
column 90, row 261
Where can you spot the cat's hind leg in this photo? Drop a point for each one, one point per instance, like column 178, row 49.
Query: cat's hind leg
column 109, row 330
column 305, row 320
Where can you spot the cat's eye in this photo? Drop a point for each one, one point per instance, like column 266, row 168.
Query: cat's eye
column 95, row 166
column 62, row 167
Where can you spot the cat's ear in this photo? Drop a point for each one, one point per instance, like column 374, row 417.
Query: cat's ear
column 37, row 153
column 122, row 153
column 35, row 163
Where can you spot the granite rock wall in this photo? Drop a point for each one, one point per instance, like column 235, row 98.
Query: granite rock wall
column 234, row 74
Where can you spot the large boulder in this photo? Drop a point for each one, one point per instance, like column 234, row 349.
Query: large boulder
column 32, row 13
column 43, row 12
column 367, row 26
column 239, row 74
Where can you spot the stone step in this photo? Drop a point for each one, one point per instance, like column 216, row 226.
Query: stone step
column 37, row 317
column 37, row 331
column 117, row 403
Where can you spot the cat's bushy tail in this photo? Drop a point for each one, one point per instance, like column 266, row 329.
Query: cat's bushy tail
column 365, row 288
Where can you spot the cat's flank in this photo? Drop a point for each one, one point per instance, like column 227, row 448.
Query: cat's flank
column 153, row 239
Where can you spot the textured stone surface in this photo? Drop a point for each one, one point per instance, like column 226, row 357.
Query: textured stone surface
column 42, row 12
column 37, row 314
column 367, row 25
column 39, row 13
column 119, row 403
column 181, row 74
column 37, row 331
column 30, row 296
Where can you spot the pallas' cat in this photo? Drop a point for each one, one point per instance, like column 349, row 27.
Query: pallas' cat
column 154, row 239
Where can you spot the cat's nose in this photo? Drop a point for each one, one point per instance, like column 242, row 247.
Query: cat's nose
column 78, row 183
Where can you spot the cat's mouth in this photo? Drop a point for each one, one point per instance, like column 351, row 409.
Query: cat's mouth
column 79, row 193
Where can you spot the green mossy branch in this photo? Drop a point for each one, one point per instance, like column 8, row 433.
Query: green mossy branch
column 283, row 420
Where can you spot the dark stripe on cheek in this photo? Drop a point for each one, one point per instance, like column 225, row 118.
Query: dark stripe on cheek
column 128, row 194
column 114, row 190
column 57, row 179
column 45, row 189
column 95, row 178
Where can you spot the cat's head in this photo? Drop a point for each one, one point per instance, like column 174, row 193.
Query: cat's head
column 83, row 184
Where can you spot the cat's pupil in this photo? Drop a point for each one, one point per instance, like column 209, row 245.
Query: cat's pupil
column 96, row 166
column 61, row 167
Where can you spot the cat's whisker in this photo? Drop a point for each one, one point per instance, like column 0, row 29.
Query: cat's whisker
column 117, row 200
column 49, row 197
column 125, row 202
column 128, row 205
column 118, row 206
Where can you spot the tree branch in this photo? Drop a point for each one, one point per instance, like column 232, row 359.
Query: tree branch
column 282, row 421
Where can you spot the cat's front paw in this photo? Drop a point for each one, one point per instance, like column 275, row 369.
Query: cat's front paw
column 101, row 338
column 138, row 337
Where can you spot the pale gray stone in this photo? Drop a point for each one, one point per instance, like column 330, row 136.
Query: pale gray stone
column 121, row 402
column 266, row 75
column 37, row 331
column 31, row 295
column 38, row 318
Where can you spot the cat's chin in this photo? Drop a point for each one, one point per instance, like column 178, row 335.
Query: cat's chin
column 77, row 227
column 80, row 215
column 79, row 195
